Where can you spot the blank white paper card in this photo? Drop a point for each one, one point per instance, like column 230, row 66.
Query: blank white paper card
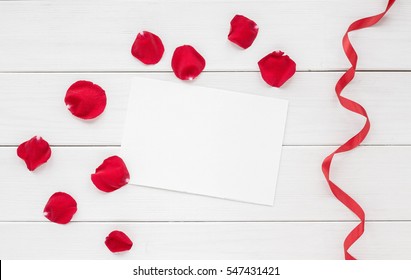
column 203, row 141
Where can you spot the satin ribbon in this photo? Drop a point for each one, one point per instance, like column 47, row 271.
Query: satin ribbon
column 356, row 140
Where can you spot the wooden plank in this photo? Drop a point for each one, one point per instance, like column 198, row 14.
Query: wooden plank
column 203, row 240
column 36, row 106
column 90, row 36
column 377, row 177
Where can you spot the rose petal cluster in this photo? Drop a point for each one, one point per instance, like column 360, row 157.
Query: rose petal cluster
column 87, row 100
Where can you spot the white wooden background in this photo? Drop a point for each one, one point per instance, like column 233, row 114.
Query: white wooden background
column 47, row 45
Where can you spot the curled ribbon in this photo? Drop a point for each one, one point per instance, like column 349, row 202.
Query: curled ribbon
column 356, row 140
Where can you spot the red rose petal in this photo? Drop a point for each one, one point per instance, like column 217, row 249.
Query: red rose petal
column 118, row 241
column 243, row 31
column 34, row 152
column 85, row 100
column 60, row 208
column 276, row 68
column 111, row 175
column 187, row 63
column 147, row 48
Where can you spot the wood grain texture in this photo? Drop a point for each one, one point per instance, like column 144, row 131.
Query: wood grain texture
column 36, row 106
column 97, row 36
column 376, row 176
column 203, row 240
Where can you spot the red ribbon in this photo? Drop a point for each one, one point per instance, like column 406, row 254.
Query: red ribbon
column 356, row 140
